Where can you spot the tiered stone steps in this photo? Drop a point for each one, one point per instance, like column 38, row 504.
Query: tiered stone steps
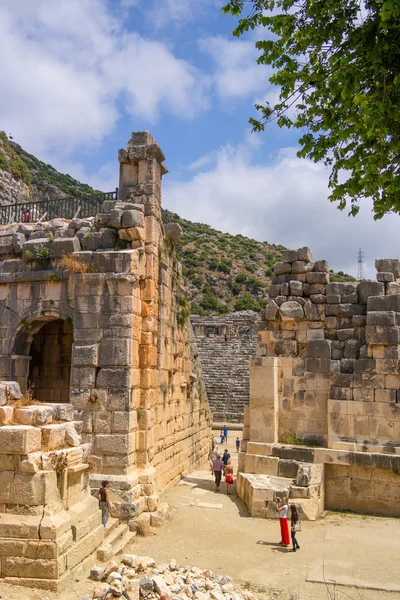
column 226, row 371
column 117, row 537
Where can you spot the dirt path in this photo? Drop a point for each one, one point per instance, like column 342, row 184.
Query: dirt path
column 213, row 530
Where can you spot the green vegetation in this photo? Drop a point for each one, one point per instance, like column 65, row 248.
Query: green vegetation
column 42, row 175
column 38, row 255
column 337, row 64
column 223, row 272
column 11, row 162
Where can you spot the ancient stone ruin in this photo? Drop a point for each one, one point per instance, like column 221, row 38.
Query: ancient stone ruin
column 225, row 361
column 323, row 426
column 95, row 334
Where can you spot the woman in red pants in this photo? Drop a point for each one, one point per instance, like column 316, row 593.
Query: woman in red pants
column 282, row 508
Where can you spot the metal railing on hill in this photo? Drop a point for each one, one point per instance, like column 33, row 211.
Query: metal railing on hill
column 46, row 210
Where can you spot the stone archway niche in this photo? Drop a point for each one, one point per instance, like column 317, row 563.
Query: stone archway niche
column 50, row 361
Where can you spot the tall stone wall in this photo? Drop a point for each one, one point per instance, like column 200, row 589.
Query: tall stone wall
column 327, row 370
column 225, row 362
column 133, row 375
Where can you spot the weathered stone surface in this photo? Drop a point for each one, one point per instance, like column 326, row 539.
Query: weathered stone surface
column 317, row 277
column 271, row 311
column 290, row 311
column 173, row 231
column 281, row 268
column 388, row 265
column 132, row 218
column 305, row 254
column 290, row 256
column 132, row 234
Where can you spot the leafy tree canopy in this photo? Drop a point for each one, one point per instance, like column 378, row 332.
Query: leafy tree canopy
column 337, row 63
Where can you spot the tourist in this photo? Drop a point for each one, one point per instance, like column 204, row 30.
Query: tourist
column 104, row 502
column 218, row 465
column 228, row 472
column 213, row 456
column 294, row 526
column 222, row 435
column 225, row 431
column 282, row 508
column 237, row 444
column 225, row 457
column 226, row 337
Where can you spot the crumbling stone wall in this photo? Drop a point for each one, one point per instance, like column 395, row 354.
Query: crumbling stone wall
column 50, row 526
column 225, row 364
column 134, row 376
column 327, row 370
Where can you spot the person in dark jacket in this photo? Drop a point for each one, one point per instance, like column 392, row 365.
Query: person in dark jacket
column 293, row 520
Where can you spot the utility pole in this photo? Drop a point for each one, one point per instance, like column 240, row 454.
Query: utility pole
column 360, row 270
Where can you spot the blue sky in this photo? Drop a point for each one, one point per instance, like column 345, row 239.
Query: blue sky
column 81, row 75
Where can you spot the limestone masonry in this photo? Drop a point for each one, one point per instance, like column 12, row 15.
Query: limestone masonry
column 94, row 317
column 225, row 363
column 323, row 425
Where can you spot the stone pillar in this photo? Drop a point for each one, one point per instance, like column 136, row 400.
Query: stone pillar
column 264, row 403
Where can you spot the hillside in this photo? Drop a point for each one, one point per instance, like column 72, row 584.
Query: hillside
column 44, row 181
column 222, row 272
column 226, row 272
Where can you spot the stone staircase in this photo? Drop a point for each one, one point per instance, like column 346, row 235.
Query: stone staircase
column 117, row 537
column 226, row 372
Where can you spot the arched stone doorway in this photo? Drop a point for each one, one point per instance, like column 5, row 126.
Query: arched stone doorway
column 50, row 364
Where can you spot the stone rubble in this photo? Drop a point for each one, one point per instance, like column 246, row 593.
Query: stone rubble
column 138, row 577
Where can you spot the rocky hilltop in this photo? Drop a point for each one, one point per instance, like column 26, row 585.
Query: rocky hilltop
column 222, row 272
column 24, row 177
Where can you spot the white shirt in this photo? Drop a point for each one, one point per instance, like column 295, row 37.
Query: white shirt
column 283, row 513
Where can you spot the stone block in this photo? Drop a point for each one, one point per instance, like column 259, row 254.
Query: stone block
column 53, row 436
column 290, row 256
column 286, row 348
column 319, row 349
column 34, row 415
column 271, row 311
column 318, row 298
column 344, row 310
column 282, row 268
column 6, row 415
column 116, row 217
column 352, row 348
column 384, row 303
column 392, row 288
column 382, row 318
column 299, row 266
column 113, row 377
column 321, row 266
column 9, row 390
column 132, row 234
column 6, row 244
column 369, row 288
column 20, row 439
column 132, row 218
column 115, row 352
column 304, row 254
column 388, row 265
column 296, row 288
column 63, row 412
column 288, row 468
column 382, row 335
column 311, row 311
column 385, row 277
column 291, row 311
column 111, row 444
column 317, row 277
column 173, row 231
column 333, row 298
column 85, row 355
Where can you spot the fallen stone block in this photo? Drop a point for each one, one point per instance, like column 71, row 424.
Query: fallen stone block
column 159, row 517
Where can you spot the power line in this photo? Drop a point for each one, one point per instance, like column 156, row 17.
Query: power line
column 360, row 269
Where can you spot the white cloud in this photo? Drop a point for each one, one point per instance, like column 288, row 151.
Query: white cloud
column 285, row 202
column 236, row 74
column 162, row 13
column 69, row 65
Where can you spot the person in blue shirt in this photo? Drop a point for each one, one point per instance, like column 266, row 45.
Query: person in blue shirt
column 225, row 430
column 237, row 444
column 225, row 457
